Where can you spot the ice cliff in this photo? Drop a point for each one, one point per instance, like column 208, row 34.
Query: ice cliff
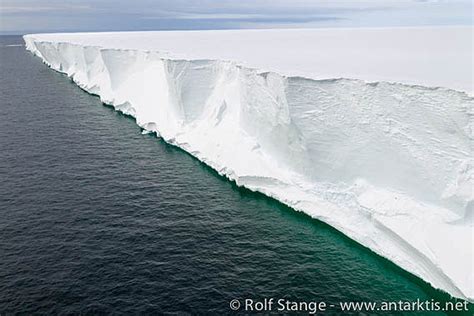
column 388, row 164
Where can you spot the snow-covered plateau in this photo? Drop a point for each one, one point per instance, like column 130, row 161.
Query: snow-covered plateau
column 368, row 130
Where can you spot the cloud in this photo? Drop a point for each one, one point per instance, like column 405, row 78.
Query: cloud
column 22, row 7
column 102, row 15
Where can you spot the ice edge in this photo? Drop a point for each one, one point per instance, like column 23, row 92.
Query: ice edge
column 405, row 255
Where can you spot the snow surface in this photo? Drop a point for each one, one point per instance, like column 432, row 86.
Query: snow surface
column 429, row 56
column 388, row 162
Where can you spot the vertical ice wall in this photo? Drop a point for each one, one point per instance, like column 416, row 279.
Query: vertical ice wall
column 389, row 165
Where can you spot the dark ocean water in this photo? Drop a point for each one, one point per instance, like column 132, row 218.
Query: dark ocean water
column 96, row 218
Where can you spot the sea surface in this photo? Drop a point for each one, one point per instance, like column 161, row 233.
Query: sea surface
column 97, row 218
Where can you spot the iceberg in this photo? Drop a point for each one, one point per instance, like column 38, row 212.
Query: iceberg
column 368, row 130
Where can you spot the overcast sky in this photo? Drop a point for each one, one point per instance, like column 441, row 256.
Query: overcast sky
column 26, row 16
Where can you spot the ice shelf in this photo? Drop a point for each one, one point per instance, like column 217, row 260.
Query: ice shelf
column 368, row 130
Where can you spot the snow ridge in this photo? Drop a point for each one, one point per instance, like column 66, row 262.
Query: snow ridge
column 388, row 164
